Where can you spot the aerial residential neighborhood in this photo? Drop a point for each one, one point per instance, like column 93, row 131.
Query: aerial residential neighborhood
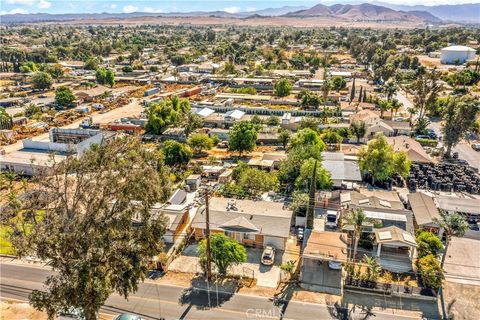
column 210, row 161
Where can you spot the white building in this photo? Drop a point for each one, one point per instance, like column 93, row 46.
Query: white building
column 456, row 54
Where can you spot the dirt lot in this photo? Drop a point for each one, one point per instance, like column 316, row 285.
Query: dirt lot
column 461, row 301
column 24, row 311
column 268, row 22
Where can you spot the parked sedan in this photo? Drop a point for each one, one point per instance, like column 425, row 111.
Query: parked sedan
column 268, row 256
column 476, row 146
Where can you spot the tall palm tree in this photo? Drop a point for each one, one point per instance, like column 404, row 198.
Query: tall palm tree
column 390, row 88
column 373, row 268
column 384, row 105
column 454, row 225
column 395, row 105
column 359, row 129
column 357, row 219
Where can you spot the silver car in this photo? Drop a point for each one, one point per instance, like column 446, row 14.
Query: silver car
column 268, row 256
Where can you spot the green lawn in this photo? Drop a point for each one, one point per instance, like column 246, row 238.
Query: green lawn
column 5, row 245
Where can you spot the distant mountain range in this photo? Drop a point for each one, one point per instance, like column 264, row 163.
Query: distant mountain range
column 363, row 12
column 465, row 13
column 374, row 11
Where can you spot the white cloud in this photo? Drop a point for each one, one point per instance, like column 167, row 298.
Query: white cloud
column 232, row 9
column 130, row 9
column 151, row 10
column 113, row 6
column 22, row 2
column 14, row 11
column 44, row 4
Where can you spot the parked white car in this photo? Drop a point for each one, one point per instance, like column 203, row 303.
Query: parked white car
column 268, row 256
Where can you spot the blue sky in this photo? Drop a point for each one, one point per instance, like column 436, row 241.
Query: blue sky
column 233, row 6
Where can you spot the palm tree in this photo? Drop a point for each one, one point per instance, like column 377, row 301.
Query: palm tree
column 395, row 105
column 373, row 268
column 357, row 220
column 454, row 225
column 359, row 129
column 390, row 88
column 384, row 105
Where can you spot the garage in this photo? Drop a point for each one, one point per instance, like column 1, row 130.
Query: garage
column 276, row 242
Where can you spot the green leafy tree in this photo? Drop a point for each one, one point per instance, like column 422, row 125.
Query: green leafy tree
column 192, row 122
column 105, row 76
column 5, row 119
column 243, row 137
column 459, row 116
column 428, row 243
column 42, row 80
column 390, row 89
column 28, row 67
column 381, row 161
column 323, row 180
column 430, row 271
column 199, row 142
column 359, row 129
column 282, row 88
column 425, row 89
column 331, row 136
column 86, row 235
column 31, row 110
column 176, row 153
column 384, row 105
column 64, row 96
column 306, row 136
column 91, row 64
column 284, row 137
column 373, row 268
column 273, row 121
column 255, row 181
column 338, row 83
column 225, row 252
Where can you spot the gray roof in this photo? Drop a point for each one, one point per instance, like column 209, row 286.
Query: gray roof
column 339, row 168
column 177, row 197
column 423, row 208
column 465, row 205
column 269, row 218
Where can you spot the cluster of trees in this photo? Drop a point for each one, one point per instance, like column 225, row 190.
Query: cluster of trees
column 168, row 112
column 250, row 182
column 64, row 96
column 92, row 245
column 105, row 76
column 379, row 159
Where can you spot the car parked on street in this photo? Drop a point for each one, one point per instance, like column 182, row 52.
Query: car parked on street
column 476, row 146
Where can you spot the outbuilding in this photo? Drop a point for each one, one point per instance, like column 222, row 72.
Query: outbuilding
column 456, row 54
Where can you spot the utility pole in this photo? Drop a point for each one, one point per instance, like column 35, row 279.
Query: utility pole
column 207, row 234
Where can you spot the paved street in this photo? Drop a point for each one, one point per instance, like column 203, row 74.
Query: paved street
column 464, row 149
column 154, row 301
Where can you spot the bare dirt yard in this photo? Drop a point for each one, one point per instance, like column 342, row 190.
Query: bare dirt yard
column 461, row 300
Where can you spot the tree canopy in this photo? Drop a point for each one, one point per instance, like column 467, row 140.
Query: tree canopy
column 282, row 87
column 243, row 137
column 176, row 153
column 379, row 159
column 42, row 80
column 64, row 96
column 225, row 252
column 80, row 219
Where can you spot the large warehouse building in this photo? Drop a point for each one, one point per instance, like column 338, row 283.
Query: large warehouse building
column 456, row 54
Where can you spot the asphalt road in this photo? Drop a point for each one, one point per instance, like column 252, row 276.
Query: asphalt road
column 464, row 149
column 156, row 301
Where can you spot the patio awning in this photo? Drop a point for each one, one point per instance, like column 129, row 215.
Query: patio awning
column 239, row 224
column 394, row 234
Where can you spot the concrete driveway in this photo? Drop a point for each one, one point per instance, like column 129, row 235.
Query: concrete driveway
column 266, row 276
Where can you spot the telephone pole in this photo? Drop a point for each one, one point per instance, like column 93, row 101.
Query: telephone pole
column 207, row 235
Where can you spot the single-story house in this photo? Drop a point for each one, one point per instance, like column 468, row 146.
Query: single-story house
column 413, row 148
column 193, row 181
column 424, row 211
column 176, row 209
column 343, row 170
column 252, row 223
column 322, row 260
